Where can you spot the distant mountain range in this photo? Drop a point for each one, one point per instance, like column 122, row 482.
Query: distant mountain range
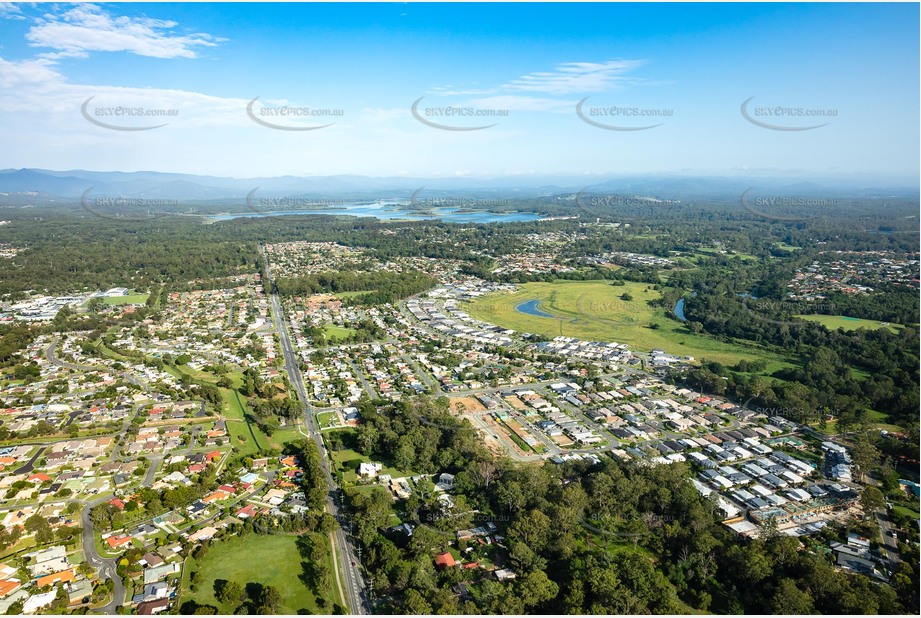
column 56, row 186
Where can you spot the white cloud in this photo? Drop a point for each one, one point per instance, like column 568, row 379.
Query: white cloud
column 87, row 28
column 577, row 77
column 9, row 10
column 566, row 79
column 36, row 87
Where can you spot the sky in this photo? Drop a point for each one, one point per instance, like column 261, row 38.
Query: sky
column 246, row 90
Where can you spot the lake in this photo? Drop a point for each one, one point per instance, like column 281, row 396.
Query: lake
column 530, row 307
column 679, row 310
column 387, row 210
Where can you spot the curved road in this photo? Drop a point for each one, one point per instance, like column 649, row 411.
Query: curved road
column 105, row 566
column 53, row 359
column 30, row 465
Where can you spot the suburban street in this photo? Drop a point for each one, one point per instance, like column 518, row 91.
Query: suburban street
column 354, row 584
column 105, row 566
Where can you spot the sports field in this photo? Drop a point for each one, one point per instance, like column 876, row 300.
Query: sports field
column 834, row 322
column 597, row 311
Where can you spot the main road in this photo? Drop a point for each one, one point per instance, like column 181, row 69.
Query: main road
column 354, row 584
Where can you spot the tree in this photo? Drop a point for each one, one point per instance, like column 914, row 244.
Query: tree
column 228, row 592
column 871, row 499
column 268, row 600
column 415, row 604
column 788, row 599
column 535, row 588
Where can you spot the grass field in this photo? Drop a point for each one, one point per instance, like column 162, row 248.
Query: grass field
column 345, row 295
column 904, row 510
column 333, row 332
column 594, row 310
column 834, row 322
column 270, row 560
column 246, row 438
column 132, row 298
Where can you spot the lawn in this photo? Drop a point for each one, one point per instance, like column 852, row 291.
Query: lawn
column 325, row 418
column 19, row 546
column 133, row 298
column 332, row 332
column 246, row 437
column 904, row 510
column 594, row 311
column 270, row 560
column 834, row 322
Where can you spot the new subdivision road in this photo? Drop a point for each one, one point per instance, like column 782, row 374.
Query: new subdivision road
column 354, row 584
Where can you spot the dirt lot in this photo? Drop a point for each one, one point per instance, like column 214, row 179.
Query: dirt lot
column 516, row 403
column 466, row 404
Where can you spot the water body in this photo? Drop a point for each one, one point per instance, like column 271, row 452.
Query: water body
column 679, row 310
column 530, row 307
column 386, row 211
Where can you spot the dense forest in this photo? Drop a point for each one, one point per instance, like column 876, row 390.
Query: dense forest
column 387, row 287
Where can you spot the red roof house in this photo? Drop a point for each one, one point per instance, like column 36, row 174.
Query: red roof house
column 445, row 560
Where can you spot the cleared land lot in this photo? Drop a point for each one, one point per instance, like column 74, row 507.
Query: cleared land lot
column 466, row 404
column 834, row 322
column 595, row 311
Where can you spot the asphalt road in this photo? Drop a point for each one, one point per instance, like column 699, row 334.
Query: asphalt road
column 105, row 566
column 354, row 584
column 52, row 358
column 890, row 547
column 30, row 465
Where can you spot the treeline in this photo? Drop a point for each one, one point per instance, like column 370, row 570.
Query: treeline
column 824, row 379
column 313, row 481
column 13, row 339
column 387, row 287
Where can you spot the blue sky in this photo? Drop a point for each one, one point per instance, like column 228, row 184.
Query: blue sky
column 685, row 67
